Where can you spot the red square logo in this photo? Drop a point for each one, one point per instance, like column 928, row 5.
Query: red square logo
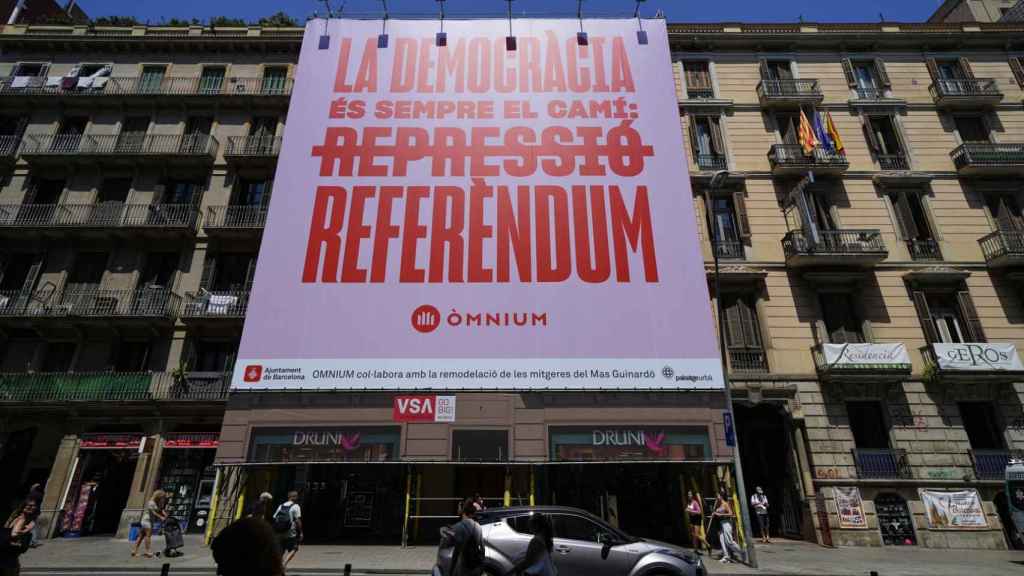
column 253, row 373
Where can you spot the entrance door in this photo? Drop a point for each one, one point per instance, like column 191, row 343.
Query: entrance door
column 894, row 520
column 764, row 437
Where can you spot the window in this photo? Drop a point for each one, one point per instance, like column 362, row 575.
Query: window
column 275, row 79
column 211, row 81
column 252, row 193
column 707, row 143
column 131, row 357
column 1017, row 65
column 730, row 225
column 787, row 124
column 88, row 268
column 743, row 333
column 868, row 425
column 132, row 138
column 152, row 78
column 520, row 524
column 971, row 129
column 776, row 70
column 948, row 317
column 89, row 70
column 810, row 211
column 16, row 270
column 576, row 528
column 181, row 192
column 868, row 77
column 30, row 69
column 46, row 191
column 698, row 79
column 1005, row 211
column 214, row 355
column 885, row 143
column 59, row 356
column 159, row 270
column 480, row 445
column 228, row 272
column 980, row 420
column 114, row 190
column 913, row 224
column 69, row 135
column 197, row 133
column 842, row 326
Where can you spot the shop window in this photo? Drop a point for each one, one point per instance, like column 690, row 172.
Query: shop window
column 948, row 317
column 576, row 528
column 841, row 322
column 480, row 445
column 971, row 129
column 980, row 423
column 698, row 79
column 707, row 143
column 913, row 224
column 868, row 425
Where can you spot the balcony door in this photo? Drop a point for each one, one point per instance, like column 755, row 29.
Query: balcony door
column 152, row 79
column 724, row 218
column 776, row 70
column 948, row 317
column 913, row 224
column 1005, row 211
column 839, row 313
column 262, row 131
column 275, row 80
column 211, row 81
column 743, row 333
column 197, row 134
column 69, row 135
column 133, row 135
column 159, row 270
column 980, row 423
column 868, row 425
column 972, row 129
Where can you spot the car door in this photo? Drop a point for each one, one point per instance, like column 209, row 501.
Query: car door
column 578, row 548
column 511, row 538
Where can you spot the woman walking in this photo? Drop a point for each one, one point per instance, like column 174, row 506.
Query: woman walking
column 153, row 514
column 723, row 510
column 695, row 513
column 538, row 554
column 18, row 532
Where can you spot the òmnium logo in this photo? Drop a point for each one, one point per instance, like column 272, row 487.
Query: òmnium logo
column 253, row 373
column 426, row 319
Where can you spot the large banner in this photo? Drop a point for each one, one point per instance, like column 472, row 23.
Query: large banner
column 481, row 216
column 982, row 357
column 850, row 508
column 953, row 510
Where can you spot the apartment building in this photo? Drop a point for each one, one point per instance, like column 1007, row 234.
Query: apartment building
column 137, row 165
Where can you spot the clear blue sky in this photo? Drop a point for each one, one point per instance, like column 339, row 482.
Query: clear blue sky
column 676, row 10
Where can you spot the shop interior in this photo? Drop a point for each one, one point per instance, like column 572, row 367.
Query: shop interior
column 99, row 492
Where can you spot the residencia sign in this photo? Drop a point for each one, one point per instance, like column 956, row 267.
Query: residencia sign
column 889, row 356
column 978, row 357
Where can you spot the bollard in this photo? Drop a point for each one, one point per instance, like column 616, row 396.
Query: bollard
column 165, row 569
column 348, row 570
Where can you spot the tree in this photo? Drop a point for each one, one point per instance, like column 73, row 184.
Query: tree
column 115, row 21
column 279, row 20
column 225, row 22
column 175, row 23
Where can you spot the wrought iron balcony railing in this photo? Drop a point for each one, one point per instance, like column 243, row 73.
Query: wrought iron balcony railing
column 965, row 88
column 700, row 92
column 9, row 147
column 834, row 242
column 893, row 162
column 712, row 162
column 792, row 157
column 216, row 304
column 108, row 387
column 113, row 215
column 870, row 93
column 151, row 86
column 924, row 250
column 991, row 464
column 233, row 217
column 748, row 360
column 882, row 464
column 253, row 147
column 1002, row 245
column 984, row 155
column 91, row 302
column 202, row 146
column 793, row 89
column 729, row 250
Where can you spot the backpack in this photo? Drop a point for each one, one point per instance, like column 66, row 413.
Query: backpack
column 472, row 554
column 282, row 518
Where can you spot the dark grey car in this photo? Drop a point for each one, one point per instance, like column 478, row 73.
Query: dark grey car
column 583, row 544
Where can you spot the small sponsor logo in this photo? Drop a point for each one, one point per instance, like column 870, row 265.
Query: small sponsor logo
column 426, row 319
column 668, row 372
column 253, row 373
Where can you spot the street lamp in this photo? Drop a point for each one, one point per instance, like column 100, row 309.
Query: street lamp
column 717, row 182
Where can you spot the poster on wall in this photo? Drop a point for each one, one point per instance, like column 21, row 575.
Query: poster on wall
column 479, row 215
column 953, row 510
column 850, row 508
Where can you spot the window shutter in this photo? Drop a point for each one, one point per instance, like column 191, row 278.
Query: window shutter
column 965, row 69
column 250, row 273
column 906, row 216
column 924, row 316
column 1017, row 65
column 209, row 272
column 1004, row 216
column 717, row 141
column 748, row 316
column 742, row 221
column 851, row 78
column 763, row 63
column 883, row 76
column 933, row 68
column 694, row 144
column 734, row 325
column 33, row 275
column 970, row 315
column 870, row 136
column 265, row 198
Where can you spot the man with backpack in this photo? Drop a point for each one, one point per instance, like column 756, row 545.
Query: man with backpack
column 468, row 555
column 288, row 526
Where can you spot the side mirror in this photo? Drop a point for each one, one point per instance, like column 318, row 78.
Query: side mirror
column 607, row 541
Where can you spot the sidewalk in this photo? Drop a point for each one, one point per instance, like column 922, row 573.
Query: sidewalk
column 107, row 556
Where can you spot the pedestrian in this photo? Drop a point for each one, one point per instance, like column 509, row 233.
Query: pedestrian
column 478, row 502
column 152, row 515
column 723, row 510
column 759, row 502
column 35, row 494
column 288, row 526
column 468, row 553
column 14, row 540
column 695, row 514
column 262, row 507
column 537, row 561
column 247, row 547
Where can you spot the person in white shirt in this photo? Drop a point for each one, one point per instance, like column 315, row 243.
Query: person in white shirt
column 288, row 523
column 759, row 502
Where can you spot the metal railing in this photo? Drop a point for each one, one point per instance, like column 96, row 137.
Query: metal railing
column 216, row 304
column 853, row 242
column 793, row 155
column 893, row 162
column 991, row 464
column 729, row 250
column 9, row 146
column 108, row 387
column 870, row 93
column 97, row 216
column 233, row 217
column 700, row 92
column 1000, row 244
column 924, row 249
column 712, row 162
column 153, row 86
column 793, row 88
column 91, row 302
column 748, row 361
column 128, row 144
column 253, row 146
column 981, row 154
column 972, row 87
column 882, row 463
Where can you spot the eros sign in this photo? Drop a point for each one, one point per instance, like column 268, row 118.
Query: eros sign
column 424, row 408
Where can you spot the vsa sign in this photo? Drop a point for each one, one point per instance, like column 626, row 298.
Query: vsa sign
column 424, row 408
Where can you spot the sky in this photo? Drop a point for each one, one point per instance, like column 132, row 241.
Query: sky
column 676, row 10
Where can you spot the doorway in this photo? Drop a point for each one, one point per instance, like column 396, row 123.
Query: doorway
column 765, row 445
column 894, row 520
column 96, row 501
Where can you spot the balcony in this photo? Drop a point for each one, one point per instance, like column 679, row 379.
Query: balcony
column 106, row 387
column 252, row 150
column 234, row 220
column 790, row 160
column 9, row 149
column 130, row 87
column 98, row 219
column 987, row 159
column 862, row 362
column 882, row 464
column 712, row 162
column 858, row 248
column 893, row 162
column 91, row 304
column 123, row 149
column 966, row 93
column 215, row 305
column 974, row 362
column 991, row 464
column 1003, row 249
column 730, row 250
column 700, row 92
column 789, row 93
column 748, row 361
column 924, row 250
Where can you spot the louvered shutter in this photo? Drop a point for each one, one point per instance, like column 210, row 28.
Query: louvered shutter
column 717, row 141
column 250, row 273
column 965, row 69
column 1017, row 65
column 933, row 68
column 970, row 316
column 763, row 64
column 924, row 316
column 742, row 221
column 906, row 216
column 748, row 317
column 734, row 324
column 883, row 76
column 209, row 272
column 694, row 141
column 851, row 78
column 1004, row 216
column 869, row 135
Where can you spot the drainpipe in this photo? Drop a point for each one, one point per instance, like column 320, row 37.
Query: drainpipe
column 17, row 12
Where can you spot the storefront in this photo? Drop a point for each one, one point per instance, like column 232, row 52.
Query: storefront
column 187, row 475
column 101, row 484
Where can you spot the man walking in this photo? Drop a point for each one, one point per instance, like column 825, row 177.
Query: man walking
column 759, row 502
column 288, row 526
column 468, row 555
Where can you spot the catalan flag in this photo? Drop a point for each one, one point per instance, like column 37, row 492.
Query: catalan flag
column 830, row 127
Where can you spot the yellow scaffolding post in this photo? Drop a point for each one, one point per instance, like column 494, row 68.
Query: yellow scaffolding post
column 507, row 497
column 241, row 504
column 532, row 486
column 419, row 493
column 213, row 507
column 405, row 521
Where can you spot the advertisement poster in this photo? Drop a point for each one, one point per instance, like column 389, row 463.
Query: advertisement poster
column 850, row 508
column 955, row 510
column 887, row 356
column 983, row 357
column 481, row 216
